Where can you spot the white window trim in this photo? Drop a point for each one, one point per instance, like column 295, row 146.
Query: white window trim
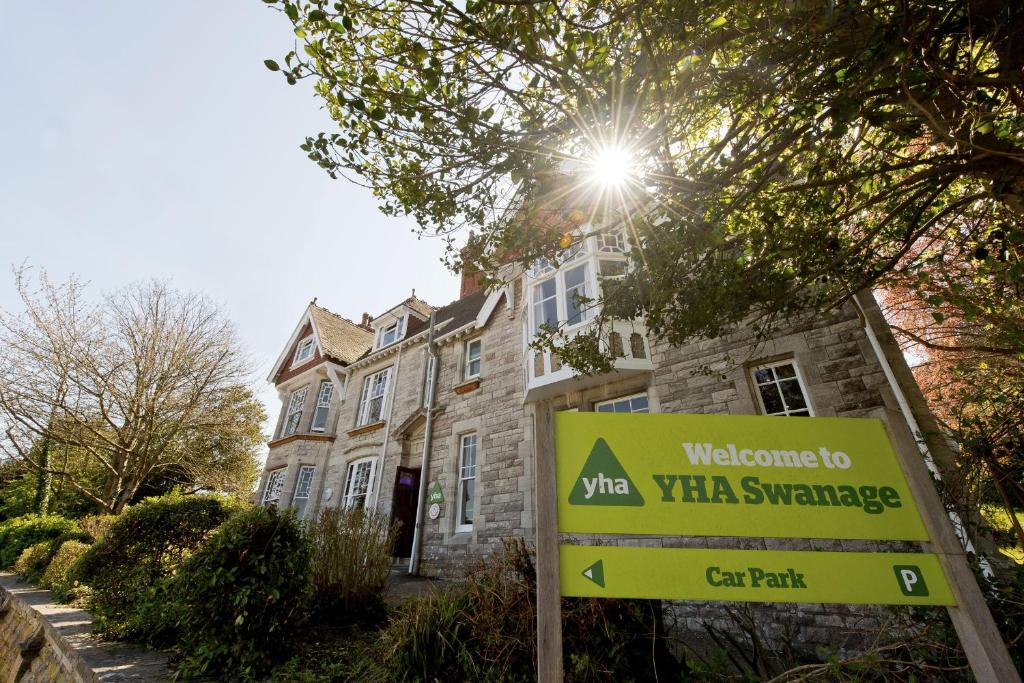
column 326, row 383
column 298, row 483
column 362, row 418
column 590, row 256
column 273, row 476
column 459, row 527
column 288, row 412
column 296, row 360
column 627, row 397
column 428, row 381
column 400, row 324
column 479, row 359
column 347, row 495
column 799, row 380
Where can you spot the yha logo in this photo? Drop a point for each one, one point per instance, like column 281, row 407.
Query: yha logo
column 603, row 481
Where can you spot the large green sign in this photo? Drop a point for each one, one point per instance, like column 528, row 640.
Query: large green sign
column 753, row 575
column 735, row 475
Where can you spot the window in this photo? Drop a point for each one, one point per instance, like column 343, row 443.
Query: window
column 275, row 482
column 545, row 304
column 323, row 406
column 473, row 352
column 575, row 287
column 627, row 404
column 392, row 333
column 428, row 385
column 467, row 482
column 294, row 416
column 304, row 351
column 611, row 241
column 780, row 391
column 303, row 485
column 359, row 483
column 371, row 407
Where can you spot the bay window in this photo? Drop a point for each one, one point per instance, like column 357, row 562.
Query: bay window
column 294, row 415
column 275, row 483
column 303, row 486
column 323, row 406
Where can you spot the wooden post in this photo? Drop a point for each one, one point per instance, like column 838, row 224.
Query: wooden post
column 549, row 590
column 986, row 652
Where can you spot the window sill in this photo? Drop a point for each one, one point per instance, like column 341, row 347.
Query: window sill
column 299, row 436
column 366, row 429
column 466, row 387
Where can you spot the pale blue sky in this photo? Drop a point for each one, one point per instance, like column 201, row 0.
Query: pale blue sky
column 147, row 139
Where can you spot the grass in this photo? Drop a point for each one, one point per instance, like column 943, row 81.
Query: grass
column 1000, row 521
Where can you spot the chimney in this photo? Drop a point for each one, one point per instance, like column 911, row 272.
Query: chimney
column 367, row 319
column 471, row 277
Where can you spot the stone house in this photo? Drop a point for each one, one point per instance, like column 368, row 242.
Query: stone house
column 369, row 413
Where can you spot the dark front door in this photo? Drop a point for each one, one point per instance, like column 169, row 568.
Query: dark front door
column 403, row 508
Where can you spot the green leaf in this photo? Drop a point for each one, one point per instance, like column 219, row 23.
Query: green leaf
column 717, row 22
column 292, row 11
column 939, row 316
column 271, row 64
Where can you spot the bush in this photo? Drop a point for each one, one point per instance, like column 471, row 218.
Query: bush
column 144, row 546
column 239, row 599
column 32, row 562
column 350, row 563
column 20, row 532
column 96, row 526
column 485, row 630
column 57, row 577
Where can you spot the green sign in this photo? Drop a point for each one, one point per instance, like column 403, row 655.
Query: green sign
column 435, row 495
column 753, row 575
column 731, row 475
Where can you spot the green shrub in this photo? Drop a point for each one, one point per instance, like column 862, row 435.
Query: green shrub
column 485, row 630
column 143, row 547
column 350, row 564
column 57, row 577
column 20, row 532
column 96, row 526
column 240, row 598
column 32, row 562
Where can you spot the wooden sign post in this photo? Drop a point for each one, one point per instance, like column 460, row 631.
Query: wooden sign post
column 599, row 493
column 549, row 590
column 986, row 652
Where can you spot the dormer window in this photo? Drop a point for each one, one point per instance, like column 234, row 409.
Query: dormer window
column 304, row 351
column 391, row 333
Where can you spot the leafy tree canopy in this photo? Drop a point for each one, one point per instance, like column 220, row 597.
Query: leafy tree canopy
column 786, row 154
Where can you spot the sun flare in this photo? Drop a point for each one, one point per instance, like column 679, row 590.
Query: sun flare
column 612, row 166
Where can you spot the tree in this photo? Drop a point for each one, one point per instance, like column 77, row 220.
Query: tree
column 786, row 154
column 149, row 383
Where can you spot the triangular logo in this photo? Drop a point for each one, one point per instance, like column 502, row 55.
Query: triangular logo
column 595, row 573
column 603, row 481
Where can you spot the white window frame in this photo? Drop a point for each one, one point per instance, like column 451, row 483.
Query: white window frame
column 470, row 359
column 323, row 403
column 620, row 399
column 274, row 486
column 349, row 498
column 306, row 343
column 588, row 252
column 398, row 326
column 466, row 474
column 296, row 406
column 787, row 412
column 382, row 380
column 304, row 478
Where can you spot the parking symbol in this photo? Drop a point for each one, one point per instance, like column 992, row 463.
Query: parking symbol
column 911, row 580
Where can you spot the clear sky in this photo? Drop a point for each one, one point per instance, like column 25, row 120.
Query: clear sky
column 147, row 139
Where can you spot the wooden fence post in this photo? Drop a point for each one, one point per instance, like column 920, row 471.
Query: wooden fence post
column 986, row 652
column 549, row 591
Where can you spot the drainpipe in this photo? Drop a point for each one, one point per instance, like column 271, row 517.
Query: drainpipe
column 915, row 429
column 428, row 435
column 387, row 426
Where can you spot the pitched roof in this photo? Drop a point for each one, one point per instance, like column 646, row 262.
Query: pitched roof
column 340, row 338
column 461, row 312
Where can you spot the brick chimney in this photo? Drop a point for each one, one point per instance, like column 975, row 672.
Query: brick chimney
column 472, row 279
column 367, row 319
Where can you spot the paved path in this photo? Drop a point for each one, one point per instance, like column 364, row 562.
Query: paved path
column 111, row 661
column 402, row 586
